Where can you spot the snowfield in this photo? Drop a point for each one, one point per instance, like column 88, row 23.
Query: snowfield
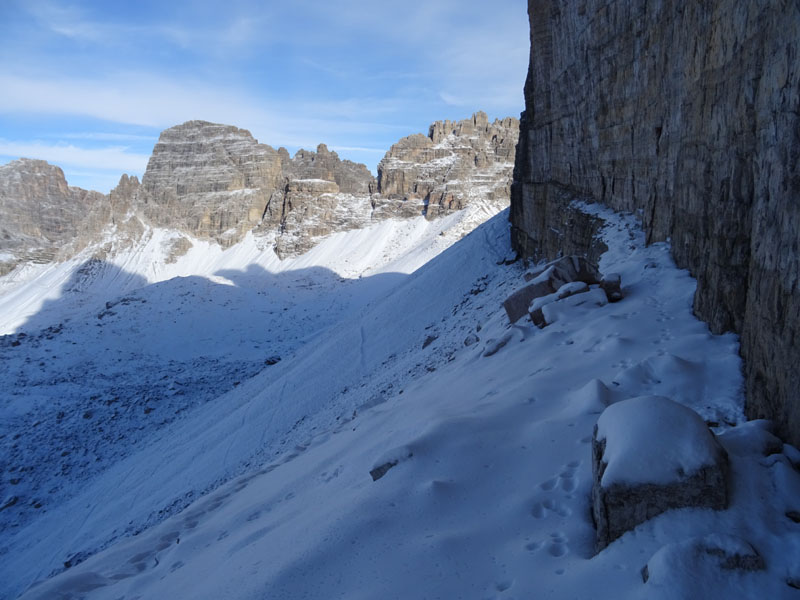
column 360, row 422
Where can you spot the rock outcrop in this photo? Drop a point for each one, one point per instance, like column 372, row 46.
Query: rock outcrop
column 456, row 162
column 41, row 217
column 687, row 113
column 320, row 194
column 350, row 177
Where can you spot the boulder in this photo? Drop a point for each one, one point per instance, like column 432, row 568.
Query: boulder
column 560, row 278
column 546, row 311
column 651, row 454
column 517, row 304
column 611, row 286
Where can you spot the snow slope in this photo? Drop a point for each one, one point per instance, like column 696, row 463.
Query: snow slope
column 486, row 445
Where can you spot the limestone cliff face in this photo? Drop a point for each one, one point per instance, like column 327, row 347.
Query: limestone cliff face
column 688, row 113
column 321, row 194
column 455, row 162
column 43, row 217
column 210, row 180
column 350, row 177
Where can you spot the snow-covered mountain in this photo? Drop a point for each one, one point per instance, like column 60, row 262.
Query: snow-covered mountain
column 360, row 421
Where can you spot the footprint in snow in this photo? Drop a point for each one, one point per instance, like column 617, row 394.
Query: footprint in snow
column 558, row 545
column 542, row 509
column 565, row 480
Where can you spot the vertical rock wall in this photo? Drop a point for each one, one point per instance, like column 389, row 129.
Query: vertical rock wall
column 689, row 113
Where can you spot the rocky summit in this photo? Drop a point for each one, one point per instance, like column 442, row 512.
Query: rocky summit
column 212, row 181
column 41, row 217
column 217, row 182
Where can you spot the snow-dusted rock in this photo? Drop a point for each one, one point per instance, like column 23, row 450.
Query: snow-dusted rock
column 684, row 566
column 453, row 165
column 41, row 217
column 518, row 303
column 651, row 454
column 611, row 283
column 566, row 269
column 561, row 306
column 562, row 277
column 752, row 438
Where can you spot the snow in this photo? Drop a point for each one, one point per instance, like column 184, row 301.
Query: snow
column 565, row 308
column 573, row 287
column 652, row 439
column 264, row 491
column 691, row 568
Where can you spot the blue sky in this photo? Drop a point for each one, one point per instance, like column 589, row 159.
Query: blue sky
column 89, row 85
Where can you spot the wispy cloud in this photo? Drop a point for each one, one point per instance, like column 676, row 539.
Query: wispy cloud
column 68, row 21
column 153, row 101
column 112, row 158
column 106, row 136
column 214, row 36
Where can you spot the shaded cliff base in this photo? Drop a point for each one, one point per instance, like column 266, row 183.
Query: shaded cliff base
column 547, row 224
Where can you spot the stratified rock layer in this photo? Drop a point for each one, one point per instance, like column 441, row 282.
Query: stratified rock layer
column 688, row 113
column 455, row 162
column 41, row 217
column 210, row 180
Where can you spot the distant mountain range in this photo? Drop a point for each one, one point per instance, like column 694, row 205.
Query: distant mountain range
column 217, row 182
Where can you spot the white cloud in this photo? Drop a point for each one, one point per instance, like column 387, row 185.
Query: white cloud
column 159, row 101
column 103, row 136
column 113, row 158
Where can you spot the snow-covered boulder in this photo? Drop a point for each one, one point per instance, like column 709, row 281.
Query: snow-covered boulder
column 548, row 279
column 695, row 568
column 546, row 311
column 651, row 454
column 566, row 269
column 611, row 284
column 753, row 438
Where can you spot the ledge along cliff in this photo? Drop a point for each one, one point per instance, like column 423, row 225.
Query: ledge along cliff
column 687, row 113
column 217, row 182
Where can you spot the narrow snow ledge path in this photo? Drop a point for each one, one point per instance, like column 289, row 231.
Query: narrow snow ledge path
column 489, row 496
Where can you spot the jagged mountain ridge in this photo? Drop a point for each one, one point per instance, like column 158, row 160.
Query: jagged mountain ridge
column 217, row 182
column 41, row 214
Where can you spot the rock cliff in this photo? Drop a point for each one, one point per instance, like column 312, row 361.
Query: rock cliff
column 319, row 194
column 43, row 218
column 210, row 180
column 454, row 163
column 689, row 114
